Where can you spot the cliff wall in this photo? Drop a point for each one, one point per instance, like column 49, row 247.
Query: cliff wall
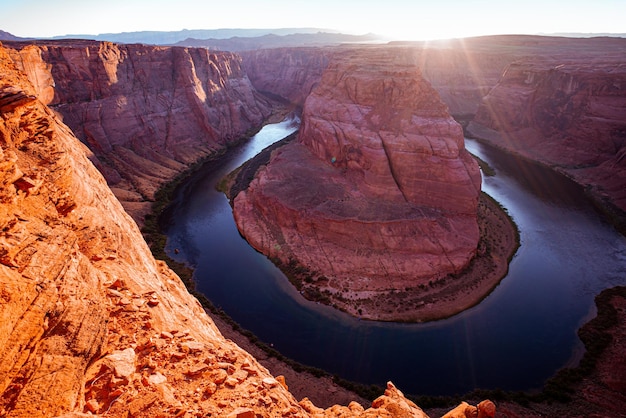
column 146, row 112
column 567, row 111
column 89, row 318
column 378, row 192
column 290, row 73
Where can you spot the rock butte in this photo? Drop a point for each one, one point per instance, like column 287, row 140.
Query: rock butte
column 378, row 192
column 556, row 100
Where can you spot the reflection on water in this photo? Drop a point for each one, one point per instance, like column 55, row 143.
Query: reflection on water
column 515, row 339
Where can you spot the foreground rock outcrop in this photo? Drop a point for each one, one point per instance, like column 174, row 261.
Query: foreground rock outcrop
column 91, row 322
column 146, row 112
column 377, row 194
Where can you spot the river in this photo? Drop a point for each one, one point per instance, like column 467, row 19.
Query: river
column 515, row 339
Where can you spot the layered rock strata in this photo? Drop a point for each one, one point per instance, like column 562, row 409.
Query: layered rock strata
column 567, row 110
column 91, row 323
column 378, row 192
column 290, row 73
column 146, row 112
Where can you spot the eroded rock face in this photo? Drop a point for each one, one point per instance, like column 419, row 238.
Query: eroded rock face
column 146, row 112
column 568, row 111
column 290, row 73
column 90, row 321
column 378, row 192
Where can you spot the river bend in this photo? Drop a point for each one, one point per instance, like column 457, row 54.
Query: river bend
column 519, row 336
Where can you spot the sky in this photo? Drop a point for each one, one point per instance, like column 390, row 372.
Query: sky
column 396, row 19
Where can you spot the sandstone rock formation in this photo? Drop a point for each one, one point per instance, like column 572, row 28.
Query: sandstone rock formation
column 560, row 101
column 290, row 73
column 91, row 323
column 565, row 108
column 146, row 112
column 378, row 192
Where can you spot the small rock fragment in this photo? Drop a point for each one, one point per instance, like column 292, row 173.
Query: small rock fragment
column 122, row 362
column 92, row 406
column 157, row 378
column 242, row 413
column 270, row 382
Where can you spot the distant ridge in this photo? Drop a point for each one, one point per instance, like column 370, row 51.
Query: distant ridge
column 585, row 34
column 275, row 41
column 6, row 36
column 171, row 38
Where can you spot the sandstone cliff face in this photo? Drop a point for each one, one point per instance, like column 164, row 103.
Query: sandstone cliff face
column 568, row 111
column 146, row 112
column 378, row 192
column 82, row 297
column 290, row 73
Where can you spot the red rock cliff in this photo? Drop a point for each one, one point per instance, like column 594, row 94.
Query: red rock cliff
column 290, row 73
column 378, row 192
column 146, row 112
column 567, row 110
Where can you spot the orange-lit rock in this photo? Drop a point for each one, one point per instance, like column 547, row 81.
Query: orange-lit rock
column 78, row 332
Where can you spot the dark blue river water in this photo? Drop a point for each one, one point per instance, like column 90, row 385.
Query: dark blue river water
column 515, row 339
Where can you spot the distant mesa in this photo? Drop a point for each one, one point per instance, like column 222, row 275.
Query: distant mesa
column 225, row 39
column 241, row 43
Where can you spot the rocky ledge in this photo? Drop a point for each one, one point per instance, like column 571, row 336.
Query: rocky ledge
column 377, row 194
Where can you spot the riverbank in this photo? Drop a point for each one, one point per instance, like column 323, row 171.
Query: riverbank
column 298, row 378
column 603, row 203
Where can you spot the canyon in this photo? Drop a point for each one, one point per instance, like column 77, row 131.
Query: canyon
column 555, row 100
column 93, row 324
column 147, row 113
column 567, row 113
